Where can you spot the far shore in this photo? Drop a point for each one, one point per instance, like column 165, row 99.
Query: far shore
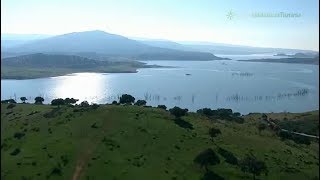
column 9, row 73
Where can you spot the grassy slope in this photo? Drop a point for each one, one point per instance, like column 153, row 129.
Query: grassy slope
column 152, row 141
column 307, row 122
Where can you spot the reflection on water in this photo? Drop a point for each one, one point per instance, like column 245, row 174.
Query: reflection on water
column 243, row 87
column 84, row 86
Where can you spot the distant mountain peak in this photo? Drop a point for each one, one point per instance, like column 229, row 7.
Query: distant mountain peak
column 105, row 43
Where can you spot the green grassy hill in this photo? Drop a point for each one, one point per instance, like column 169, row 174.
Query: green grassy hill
column 134, row 142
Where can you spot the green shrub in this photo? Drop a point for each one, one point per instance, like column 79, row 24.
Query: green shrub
column 140, row 103
column 70, row 100
column 178, row 112
column 57, row 102
column 38, row 100
column 126, row 99
column 84, row 104
column 236, row 114
column 162, row 107
column 206, row 111
column 222, row 113
column 8, row 101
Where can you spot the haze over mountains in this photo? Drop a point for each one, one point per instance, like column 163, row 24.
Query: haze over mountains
column 219, row 48
column 99, row 44
column 11, row 40
column 104, row 44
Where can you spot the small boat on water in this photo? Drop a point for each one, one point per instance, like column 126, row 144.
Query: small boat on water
column 188, row 74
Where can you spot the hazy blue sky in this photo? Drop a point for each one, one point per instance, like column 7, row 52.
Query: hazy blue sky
column 180, row 20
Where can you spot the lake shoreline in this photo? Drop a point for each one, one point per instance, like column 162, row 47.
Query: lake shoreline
column 71, row 71
column 311, row 61
column 253, row 113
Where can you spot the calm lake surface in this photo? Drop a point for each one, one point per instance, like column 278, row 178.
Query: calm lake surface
column 242, row 86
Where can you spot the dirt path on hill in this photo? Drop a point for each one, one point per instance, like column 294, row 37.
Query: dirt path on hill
column 90, row 145
column 81, row 165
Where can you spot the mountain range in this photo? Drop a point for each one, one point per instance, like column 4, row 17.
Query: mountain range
column 102, row 44
column 220, row 48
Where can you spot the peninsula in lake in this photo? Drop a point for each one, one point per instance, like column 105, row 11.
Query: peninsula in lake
column 45, row 65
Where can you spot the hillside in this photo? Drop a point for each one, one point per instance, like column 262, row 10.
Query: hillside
column 45, row 65
column 134, row 142
column 105, row 44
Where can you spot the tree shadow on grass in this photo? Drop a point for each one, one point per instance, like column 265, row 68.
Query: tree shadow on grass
column 182, row 123
column 209, row 175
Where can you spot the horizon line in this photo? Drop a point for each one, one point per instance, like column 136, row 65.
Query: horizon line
column 158, row 39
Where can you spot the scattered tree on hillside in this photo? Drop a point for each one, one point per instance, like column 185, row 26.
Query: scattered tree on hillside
column 162, row 107
column 236, row 114
column 225, row 114
column 9, row 101
column 58, row 102
column 140, row 103
column 126, row 99
column 178, row 112
column 70, row 100
column 252, row 165
column 23, row 99
column 38, row 100
column 206, row 111
column 84, row 104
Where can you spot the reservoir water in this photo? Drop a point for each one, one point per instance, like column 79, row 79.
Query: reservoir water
column 242, row 86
